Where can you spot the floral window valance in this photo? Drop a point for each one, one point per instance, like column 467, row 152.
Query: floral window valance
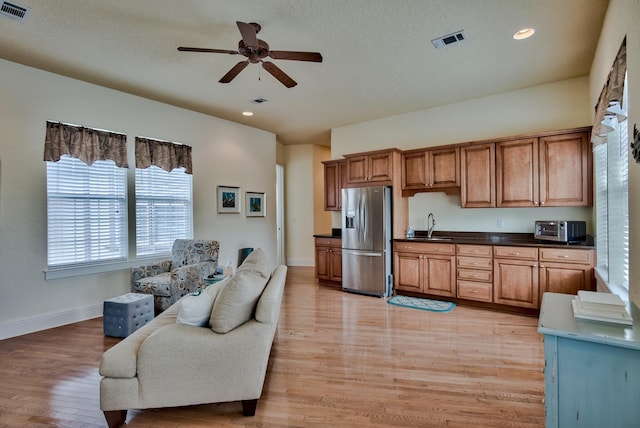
column 163, row 154
column 608, row 109
column 86, row 144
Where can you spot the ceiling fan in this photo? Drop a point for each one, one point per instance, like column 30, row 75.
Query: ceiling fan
column 256, row 50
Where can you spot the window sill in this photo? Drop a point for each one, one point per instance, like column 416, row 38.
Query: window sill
column 605, row 286
column 101, row 268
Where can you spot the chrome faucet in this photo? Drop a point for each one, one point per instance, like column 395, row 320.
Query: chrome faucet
column 431, row 221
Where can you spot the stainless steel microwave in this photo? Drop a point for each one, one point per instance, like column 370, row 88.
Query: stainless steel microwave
column 561, row 230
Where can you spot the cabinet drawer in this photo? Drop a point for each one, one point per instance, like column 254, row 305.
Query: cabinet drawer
column 425, row 248
column 515, row 253
column 475, row 291
column 474, row 250
column 566, row 255
column 475, row 263
column 475, row 275
column 329, row 242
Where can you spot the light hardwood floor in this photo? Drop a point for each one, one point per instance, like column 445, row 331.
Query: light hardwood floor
column 339, row 360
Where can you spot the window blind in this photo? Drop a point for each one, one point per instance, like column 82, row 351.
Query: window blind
column 612, row 204
column 163, row 209
column 86, row 212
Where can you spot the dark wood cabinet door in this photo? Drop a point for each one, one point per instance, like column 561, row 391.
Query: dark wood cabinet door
column 477, row 176
column 565, row 170
column 515, row 283
column 517, row 179
column 444, row 167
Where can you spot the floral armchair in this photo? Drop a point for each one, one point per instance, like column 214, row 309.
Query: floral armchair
column 169, row 280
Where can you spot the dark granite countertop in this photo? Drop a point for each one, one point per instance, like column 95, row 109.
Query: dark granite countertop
column 480, row 238
column 335, row 233
column 494, row 238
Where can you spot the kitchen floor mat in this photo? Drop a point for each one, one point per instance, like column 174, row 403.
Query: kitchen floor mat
column 423, row 304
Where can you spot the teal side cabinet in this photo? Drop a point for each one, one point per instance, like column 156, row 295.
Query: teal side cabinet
column 592, row 369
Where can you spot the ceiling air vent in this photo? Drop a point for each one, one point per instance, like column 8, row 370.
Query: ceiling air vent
column 449, row 39
column 258, row 101
column 14, row 11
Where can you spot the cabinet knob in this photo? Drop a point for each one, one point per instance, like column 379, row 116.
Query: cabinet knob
column 563, row 256
column 473, row 291
column 541, row 202
column 513, row 253
column 541, row 266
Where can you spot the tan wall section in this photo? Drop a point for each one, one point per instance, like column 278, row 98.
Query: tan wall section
column 299, row 215
column 623, row 18
column 548, row 107
column 225, row 153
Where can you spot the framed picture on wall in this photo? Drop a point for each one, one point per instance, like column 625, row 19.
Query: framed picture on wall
column 228, row 200
column 255, row 204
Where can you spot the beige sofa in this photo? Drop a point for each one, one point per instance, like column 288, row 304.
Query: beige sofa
column 168, row 364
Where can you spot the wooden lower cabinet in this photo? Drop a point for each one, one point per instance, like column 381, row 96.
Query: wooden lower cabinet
column 425, row 268
column 503, row 275
column 475, row 272
column 566, row 270
column 515, row 276
column 329, row 261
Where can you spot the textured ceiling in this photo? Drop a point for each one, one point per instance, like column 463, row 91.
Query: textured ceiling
column 378, row 56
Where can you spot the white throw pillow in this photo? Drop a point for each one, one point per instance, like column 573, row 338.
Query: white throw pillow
column 256, row 262
column 236, row 301
column 195, row 308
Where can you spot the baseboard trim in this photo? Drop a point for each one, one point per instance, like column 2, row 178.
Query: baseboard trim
column 301, row 262
column 45, row 322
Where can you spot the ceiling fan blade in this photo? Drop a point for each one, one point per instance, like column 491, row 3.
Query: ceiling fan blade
column 279, row 74
column 248, row 32
column 296, row 56
column 235, row 70
column 186, row 49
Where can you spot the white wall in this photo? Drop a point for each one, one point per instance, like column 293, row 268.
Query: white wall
column 623, row 18
column 542, row 108
column 224, row 153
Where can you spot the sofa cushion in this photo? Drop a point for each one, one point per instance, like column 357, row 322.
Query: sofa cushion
column 257, row 263
column 236, row 301
column 195, row 308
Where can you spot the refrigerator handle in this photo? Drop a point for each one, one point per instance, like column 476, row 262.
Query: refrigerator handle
column 363, row 216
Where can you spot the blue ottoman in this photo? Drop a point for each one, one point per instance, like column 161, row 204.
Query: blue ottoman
column 125, row 314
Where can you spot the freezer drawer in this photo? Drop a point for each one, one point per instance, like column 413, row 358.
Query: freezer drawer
column 366, row 272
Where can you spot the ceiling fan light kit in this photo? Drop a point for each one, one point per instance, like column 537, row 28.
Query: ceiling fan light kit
column 256, row 50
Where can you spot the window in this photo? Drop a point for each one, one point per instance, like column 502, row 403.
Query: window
column 612, row 206
column 163, row 209
column 86, row 212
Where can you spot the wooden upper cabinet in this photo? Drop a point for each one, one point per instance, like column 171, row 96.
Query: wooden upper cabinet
column 550, row 171
column 444, row 166
column 565, row 170
column 415, row 170
column 374, row 168
column 335, row 173
column 517, row 173
column 477, row 176
column 427, row 170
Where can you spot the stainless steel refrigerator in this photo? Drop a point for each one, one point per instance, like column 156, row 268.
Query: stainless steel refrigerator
column 366, row 241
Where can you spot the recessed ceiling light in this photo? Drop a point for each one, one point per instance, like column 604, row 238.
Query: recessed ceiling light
column 247, row 113
column 524, row 33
